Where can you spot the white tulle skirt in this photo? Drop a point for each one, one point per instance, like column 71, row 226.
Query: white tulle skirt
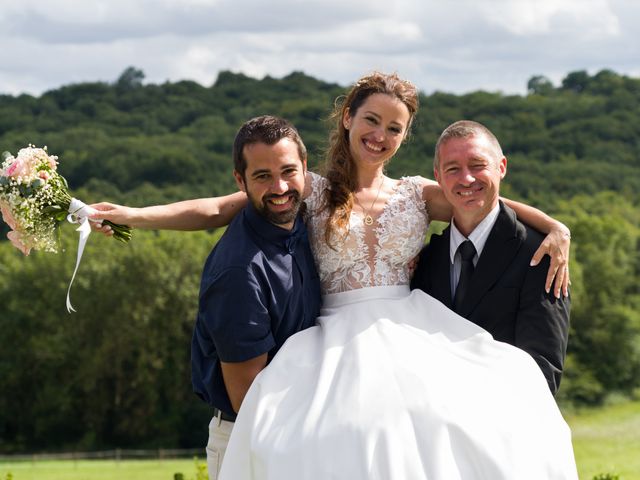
column 392, row 385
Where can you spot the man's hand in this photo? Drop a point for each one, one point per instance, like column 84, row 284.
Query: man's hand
column 556, row 244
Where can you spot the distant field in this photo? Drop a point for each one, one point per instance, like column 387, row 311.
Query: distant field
column 99, row 470
column 606, row 440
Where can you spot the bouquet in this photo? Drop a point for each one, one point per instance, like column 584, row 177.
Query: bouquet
column 35, row 200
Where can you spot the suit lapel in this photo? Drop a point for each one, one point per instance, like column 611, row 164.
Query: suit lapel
column 502, row 245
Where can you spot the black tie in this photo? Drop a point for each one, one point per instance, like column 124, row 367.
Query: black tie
column 467, row 252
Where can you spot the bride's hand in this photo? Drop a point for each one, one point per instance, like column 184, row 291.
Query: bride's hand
column 556, row 244
column 110, row 211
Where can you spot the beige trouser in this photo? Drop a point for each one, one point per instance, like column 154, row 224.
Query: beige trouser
column 219, row 432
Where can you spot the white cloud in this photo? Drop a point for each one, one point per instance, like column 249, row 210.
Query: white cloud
column 453, row 46
column 536, row 17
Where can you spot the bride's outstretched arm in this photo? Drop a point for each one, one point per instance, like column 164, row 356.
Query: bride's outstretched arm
column 556, row 244
column 197, row 214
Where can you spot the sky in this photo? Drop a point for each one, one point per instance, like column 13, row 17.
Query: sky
column 453, row 46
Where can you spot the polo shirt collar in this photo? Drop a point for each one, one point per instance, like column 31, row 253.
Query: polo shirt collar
column 288, row 239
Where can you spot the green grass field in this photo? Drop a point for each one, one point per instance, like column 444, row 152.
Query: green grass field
column 99, row 469
column 606, row 440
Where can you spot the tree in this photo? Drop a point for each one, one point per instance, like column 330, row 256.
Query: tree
column 539, row 85
column 116, row 373
column 576, row 81
column 605, row 314
column 130, row 78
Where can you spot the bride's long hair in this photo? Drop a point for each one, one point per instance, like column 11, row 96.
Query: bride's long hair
column 340, row 169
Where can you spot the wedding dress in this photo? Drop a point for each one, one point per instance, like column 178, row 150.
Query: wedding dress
column 390, row 384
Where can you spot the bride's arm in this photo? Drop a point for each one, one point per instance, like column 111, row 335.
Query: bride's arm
column 197, row 214
column 556, row 244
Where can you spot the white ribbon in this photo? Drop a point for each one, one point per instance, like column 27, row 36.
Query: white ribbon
column 79, row 213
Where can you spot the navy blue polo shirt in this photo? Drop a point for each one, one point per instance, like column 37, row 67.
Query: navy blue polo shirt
column 259, row 286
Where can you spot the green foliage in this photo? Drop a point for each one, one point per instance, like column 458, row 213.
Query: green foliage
column 539, row 85
column 606, row 476
column 117, row 372
column 604, row 349
column 130, row 78
column 201, row 471
column 579, row 138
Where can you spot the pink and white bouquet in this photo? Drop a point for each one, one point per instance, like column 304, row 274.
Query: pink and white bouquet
column 35, row 200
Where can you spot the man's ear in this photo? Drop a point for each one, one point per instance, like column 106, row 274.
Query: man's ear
column 502, row 166
column 436, row 174
column 240, row 181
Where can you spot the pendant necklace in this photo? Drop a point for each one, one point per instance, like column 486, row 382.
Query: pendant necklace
column 368, row 219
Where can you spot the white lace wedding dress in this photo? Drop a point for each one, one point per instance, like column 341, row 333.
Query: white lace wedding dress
column 392, row 385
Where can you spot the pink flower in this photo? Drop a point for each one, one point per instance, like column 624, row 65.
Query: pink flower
column 43, row 175
column 7, row 216
column 16, row 239
column 16, row 169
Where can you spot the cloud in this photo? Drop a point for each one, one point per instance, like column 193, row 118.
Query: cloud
column 540, row 17
column 67, row 21
column 453, row 46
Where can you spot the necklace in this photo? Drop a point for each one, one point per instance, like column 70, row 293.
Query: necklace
column 368, row 219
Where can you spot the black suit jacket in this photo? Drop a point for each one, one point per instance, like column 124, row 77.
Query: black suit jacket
column 506, row 296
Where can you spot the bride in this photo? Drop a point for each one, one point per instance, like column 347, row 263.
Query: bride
column 390, row 384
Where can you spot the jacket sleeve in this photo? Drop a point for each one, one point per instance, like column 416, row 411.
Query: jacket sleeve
column 542, row 325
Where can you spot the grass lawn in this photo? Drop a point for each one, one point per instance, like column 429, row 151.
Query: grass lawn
column 606, row 440
column 100, row 469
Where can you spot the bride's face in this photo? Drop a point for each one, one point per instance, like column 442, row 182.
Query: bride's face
column 377, row 128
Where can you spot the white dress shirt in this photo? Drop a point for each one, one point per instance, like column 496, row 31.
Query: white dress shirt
column 478, row 237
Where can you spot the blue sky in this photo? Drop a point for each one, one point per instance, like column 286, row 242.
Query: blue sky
column 455, row 46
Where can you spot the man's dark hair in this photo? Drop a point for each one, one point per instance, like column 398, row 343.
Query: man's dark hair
column 265, row 129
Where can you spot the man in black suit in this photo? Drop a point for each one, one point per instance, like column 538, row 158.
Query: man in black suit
column 480, row 265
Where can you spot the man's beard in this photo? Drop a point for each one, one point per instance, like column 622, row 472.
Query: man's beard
column 279, row 218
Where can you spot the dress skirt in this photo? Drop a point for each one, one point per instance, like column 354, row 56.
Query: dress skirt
column 392, row 385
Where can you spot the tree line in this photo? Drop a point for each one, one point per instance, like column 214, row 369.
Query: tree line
column 117, row 373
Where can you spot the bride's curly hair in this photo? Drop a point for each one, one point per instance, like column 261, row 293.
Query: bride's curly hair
column 339, row 167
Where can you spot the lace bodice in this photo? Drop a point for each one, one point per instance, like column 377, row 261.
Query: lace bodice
column 369, row 255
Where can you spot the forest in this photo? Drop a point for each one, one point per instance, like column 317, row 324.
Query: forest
column 117, row 372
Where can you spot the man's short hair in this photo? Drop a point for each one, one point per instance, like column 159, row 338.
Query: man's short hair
column 265, row 129
column 464, row 129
